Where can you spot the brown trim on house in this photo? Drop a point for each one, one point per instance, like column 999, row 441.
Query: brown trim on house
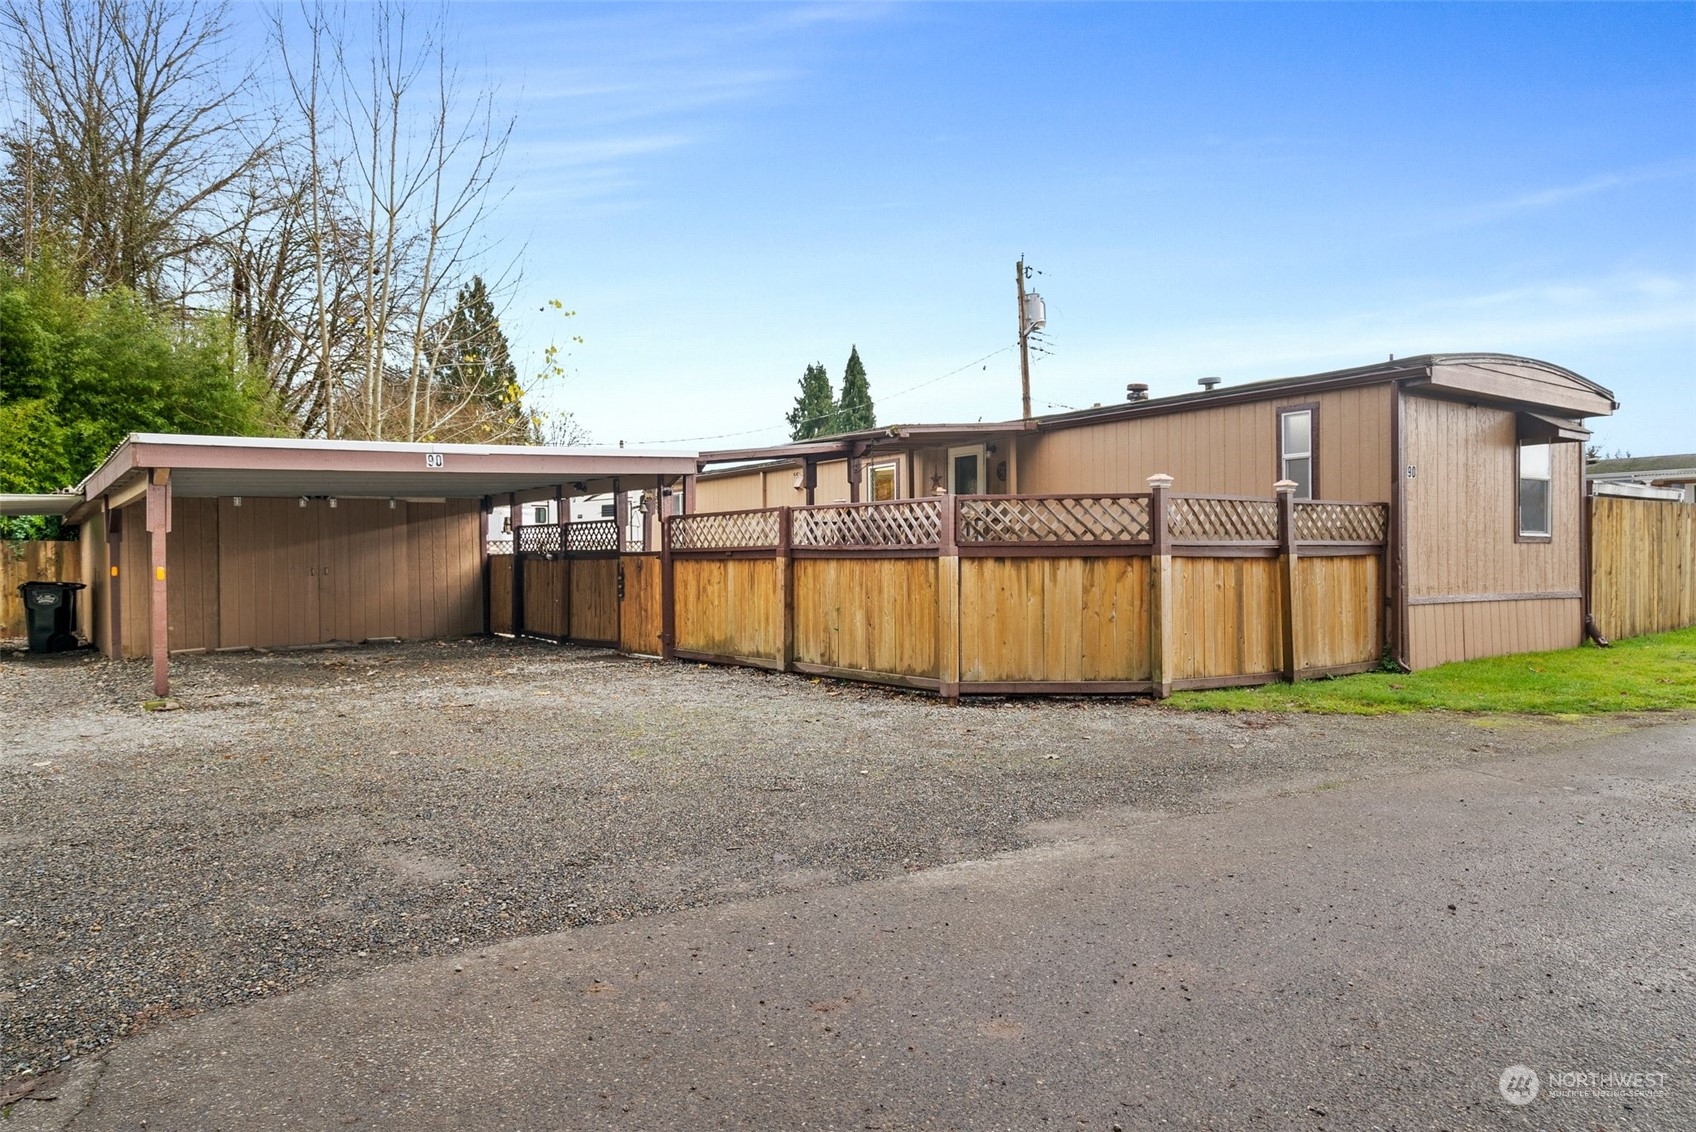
column 1466, row 599
column 1278, row 414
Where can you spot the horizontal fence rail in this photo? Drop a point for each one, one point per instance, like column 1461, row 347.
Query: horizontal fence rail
column 1055, row 519
column 901, row 523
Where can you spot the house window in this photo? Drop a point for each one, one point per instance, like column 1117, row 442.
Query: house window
column 539, row 513
column 1535, row 472
column 1296, row 447
column 881, row 482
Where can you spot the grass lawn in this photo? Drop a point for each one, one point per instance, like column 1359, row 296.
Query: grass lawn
column 1654, row 673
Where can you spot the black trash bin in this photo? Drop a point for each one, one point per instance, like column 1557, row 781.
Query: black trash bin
column 50, row 609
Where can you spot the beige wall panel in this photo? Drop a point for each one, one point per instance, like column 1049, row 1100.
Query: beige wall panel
column 268, row 585
column 1054, row 619
column 1339, row 611
column 1440, row 634
column 871, row 614
column 727, row 607
column 640, row 615
column 134, row 570
column 1643, row 565
column 1228, row 450
column 191, row 574
column 1462, row 506
column 594, row 599
column 740, row 492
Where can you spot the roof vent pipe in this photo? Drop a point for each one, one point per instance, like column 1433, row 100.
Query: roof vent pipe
column 1136, row 391
column 1207, row 383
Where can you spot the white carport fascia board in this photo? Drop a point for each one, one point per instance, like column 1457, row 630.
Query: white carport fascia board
column 418, row 462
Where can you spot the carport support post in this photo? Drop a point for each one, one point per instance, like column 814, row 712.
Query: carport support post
column 158, row 526
column 620, row 513
column 1286, row 490
column 515, row 520
column 1161, row 647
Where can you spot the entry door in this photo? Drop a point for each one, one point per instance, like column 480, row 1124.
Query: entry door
column 965, row 470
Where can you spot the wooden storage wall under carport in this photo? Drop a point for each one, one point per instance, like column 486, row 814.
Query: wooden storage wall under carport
column 269, row 573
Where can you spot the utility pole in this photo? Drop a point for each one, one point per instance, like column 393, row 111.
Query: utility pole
column 1024, row 338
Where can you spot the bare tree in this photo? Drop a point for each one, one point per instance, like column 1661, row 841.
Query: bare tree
column 137, row 131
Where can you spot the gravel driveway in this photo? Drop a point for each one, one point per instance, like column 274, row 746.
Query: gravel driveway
column 311, row 815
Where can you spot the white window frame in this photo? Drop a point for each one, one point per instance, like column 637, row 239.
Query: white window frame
column 974, row 450
column 894, row 467
column 1547, row 479
column 1311, row 412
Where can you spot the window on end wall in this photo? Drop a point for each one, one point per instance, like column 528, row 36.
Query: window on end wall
column 1535, row 473
column 1295, row 448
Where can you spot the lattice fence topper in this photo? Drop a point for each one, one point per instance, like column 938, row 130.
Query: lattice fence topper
column 596, row 534
column 539, row 539
column 1204, row 519
column 915, row 523
column 1342, row 522
column 731, row 530
column 1081, row 518
column 500, row 546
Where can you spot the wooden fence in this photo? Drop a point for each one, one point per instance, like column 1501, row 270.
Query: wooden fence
column 1642, row 565
column 22, row 562
column 1031, row 594
column 575, row 583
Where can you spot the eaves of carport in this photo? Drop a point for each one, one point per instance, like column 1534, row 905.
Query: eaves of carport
column 201, row 466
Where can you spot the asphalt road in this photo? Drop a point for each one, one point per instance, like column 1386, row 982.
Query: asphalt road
column 1368, row 956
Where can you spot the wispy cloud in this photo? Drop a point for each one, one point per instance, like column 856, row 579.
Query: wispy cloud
column 1557, row 195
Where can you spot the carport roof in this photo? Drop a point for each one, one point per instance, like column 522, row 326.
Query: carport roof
column 261, row 466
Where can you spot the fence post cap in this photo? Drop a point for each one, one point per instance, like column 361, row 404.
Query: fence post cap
column 1160, row 479
column 1285, row 487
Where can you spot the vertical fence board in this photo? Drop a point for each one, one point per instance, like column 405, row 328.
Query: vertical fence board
column 22, row 562
column 639, row 618
column 594, row 600
column 1643, row 565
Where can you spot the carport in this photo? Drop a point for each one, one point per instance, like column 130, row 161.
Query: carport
column 205, row 543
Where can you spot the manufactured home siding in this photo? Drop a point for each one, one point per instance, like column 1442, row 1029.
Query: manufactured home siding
column 1228, row 450
column 1473, row 588
column 741, row 492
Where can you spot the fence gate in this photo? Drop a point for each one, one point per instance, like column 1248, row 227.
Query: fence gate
column 558, row 582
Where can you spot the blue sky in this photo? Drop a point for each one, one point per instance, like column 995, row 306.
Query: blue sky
column 726, row 193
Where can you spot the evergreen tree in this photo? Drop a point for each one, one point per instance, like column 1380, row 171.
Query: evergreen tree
column 815, row 406
column 855, row 410
column 476, row 393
